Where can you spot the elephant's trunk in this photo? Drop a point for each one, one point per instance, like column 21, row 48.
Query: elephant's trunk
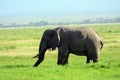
column 40, row 55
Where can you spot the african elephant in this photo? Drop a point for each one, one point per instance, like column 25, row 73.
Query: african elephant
column 82, row 41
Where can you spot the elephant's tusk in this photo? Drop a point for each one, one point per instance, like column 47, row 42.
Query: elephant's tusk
column 36, row 56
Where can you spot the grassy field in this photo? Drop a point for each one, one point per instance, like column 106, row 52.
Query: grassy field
column 18, row 46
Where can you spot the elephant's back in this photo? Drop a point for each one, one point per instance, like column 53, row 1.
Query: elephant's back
column 92, row 38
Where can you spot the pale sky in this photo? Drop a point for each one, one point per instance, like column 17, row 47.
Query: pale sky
column 57, row 7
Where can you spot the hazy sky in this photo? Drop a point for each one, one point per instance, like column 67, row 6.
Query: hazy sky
column 58, row 7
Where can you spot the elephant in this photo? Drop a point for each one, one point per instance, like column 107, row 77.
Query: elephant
column 82, row 41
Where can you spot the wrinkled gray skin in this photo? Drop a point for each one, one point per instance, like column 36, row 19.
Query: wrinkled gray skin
column 81, row 41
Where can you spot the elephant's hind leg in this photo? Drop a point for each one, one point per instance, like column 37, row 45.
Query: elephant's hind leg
column 88, row 59
column 92, row 56
column 95, row 57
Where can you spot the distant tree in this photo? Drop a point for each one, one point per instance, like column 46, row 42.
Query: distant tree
column 13, row 24
column 87, row 21
column 117, row 19
column 41, row 23
column 1, row 25
column 63, row 23
column 31, row 24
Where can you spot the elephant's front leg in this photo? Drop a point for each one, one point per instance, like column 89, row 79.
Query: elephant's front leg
column 62, row 56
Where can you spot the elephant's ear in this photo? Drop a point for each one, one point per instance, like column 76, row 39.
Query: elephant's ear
column 55, row 39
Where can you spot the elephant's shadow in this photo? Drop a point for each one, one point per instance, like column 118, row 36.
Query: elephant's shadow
column 15, row 66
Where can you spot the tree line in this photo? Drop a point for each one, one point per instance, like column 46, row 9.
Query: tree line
column 45, row 23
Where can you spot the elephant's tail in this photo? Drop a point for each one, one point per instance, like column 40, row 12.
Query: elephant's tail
column 101, row 42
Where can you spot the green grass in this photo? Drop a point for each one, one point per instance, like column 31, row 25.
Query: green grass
column 18, row 46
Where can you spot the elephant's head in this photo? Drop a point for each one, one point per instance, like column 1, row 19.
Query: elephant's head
column 50, row 39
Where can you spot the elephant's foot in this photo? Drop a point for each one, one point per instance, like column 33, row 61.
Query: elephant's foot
column 88, row 61
column 62, row 63
column 95, row 60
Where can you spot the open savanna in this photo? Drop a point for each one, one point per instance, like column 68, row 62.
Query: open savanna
column 19, row 45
